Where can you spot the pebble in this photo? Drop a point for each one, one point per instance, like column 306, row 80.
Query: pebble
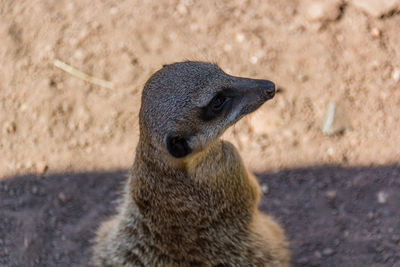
column 331, row 194
column 78, row 54
column 370, row 215
column 34, row 189
column 396, row 75
column 41, row 167
column 253, row 60
column 113, row 10
column 182, row 10
column 317, row 254
column 28, row 164
column 328, row 252
column 23, row 107
column 302, row 78
column 9, row 127
column 376, row 8
column 62, row 197
column 322, row 10
column 346, row 233
column 26, row 242
column 375, row 32
column 264, row 189
column 382, row 197
column 239, row 37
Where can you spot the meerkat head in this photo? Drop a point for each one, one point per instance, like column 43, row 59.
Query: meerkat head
column 187, row 106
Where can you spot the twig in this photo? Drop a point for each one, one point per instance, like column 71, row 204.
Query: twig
column 81, row 75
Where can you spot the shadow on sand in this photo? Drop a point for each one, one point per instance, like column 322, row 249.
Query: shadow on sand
column 333, row 216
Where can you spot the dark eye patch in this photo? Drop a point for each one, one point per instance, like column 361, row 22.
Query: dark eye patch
column 216, row 106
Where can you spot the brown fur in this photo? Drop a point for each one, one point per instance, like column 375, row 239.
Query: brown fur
column 197, row 210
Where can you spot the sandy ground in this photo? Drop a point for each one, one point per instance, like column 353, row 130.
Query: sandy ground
column 319, row 53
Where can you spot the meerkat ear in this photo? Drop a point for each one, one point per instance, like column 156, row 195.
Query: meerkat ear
column 177, row 146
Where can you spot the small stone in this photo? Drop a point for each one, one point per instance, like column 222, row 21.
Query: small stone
column 396, row 75
column 375, row 32
column 396, row 238
column 78, row 54
column 328, row 252
column 34, row 189
column 26, row 242
column 23, row 107
column 331, row 194
column 317, row 254
column 264, row 189
column 28, row 164
column 302, row 78
column 9, row 127
column 113, row 10
column 62, row 197
column 376, row 8
column 322, row 10
column 239, row 37
column 182, row 10
column 41, row 167
column 370, row 215
column 346, row 233
column 382, row 197
column 253, row 60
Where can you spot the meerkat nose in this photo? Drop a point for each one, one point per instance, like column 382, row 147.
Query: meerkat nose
column 268, row 88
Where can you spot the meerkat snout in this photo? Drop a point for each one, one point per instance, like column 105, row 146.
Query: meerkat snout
column 196, row 102
column 268, row 89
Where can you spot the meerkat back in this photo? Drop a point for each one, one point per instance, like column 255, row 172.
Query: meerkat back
column 189, row 200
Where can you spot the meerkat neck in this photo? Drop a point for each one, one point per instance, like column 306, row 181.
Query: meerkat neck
column 177, row 195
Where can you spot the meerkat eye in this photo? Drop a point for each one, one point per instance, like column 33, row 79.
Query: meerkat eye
column 217, row 103
column 215, row 107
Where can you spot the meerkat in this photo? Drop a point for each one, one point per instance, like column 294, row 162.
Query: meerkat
column 189, row 200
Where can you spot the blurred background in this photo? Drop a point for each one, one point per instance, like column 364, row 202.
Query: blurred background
column 318, row 52
column 336, row 63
